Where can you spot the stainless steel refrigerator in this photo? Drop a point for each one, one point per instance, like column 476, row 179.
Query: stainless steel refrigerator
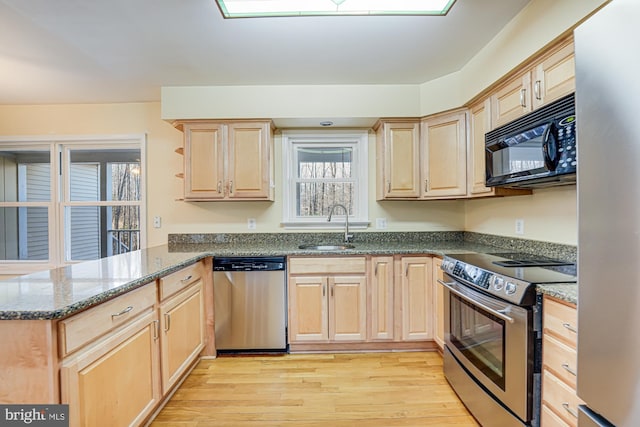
column 608, row 121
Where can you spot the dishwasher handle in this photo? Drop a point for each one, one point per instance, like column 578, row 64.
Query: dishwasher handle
column 249, row 264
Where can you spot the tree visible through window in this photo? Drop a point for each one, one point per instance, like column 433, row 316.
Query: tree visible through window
column 324, row 179
column 322, row 170
column 70, row 200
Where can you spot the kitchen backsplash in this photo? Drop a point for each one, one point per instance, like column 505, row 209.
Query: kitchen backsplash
column 553, row 250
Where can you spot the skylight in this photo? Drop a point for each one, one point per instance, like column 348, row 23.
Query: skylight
column 267, row 8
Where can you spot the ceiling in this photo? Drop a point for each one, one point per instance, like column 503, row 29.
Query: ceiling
column 98, row 51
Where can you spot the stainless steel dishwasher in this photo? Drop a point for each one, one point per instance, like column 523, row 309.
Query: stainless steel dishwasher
column 250, row 304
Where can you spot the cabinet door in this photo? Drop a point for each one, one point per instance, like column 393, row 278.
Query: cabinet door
column 479, row 124
column 116, row 381
column 381, row 289
column 444, row 154
column 554, row 76
column 347, row 308
column 182, row 333
column 399, row 160
column 417, row 302
column 308, row 315
column 438, row 303
column 204, row 161
column 249, row 161
column 512, row 100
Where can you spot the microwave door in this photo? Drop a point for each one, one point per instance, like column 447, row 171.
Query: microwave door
column 520, row 155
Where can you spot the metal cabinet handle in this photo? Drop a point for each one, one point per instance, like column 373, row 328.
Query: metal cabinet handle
column 186, row 279
column 567, row 408
column 388, row 186
column 219, row 186
column 426, row 185
column 231, row 187
column 523, row 101
column 569, row 327
column 167, row 321
column 536, row 90
column 324, row 290
column 568, row 369
column 375, row 271
column 156, row 328
column 124, row 311
column 497, row 313
column 332, row 286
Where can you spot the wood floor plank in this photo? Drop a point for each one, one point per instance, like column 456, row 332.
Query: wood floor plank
column 313, row 390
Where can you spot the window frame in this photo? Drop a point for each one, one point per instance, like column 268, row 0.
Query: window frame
column 57, row 145
column 358, row 140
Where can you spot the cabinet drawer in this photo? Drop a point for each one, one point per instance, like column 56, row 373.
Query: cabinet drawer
column 561, row 321
column 561, row 359
column 85, row 327
column 561, row 398
column 548, row 418
column 327, row 265
column 179, row 280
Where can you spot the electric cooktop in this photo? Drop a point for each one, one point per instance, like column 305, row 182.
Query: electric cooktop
column 509, row 276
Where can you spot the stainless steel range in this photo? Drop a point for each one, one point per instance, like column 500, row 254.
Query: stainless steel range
column 493, row 332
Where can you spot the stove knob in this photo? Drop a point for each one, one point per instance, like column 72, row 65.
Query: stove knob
column 510, row 288
column 498, row 283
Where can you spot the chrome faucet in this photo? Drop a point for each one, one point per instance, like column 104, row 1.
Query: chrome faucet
column 347, row 236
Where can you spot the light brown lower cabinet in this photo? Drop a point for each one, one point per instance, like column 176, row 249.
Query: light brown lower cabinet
column 327, row 308
column 417, row 299
column 559, row 364
column 115, row 381
column 360, row 303
column 183, row 336
column 116, row 373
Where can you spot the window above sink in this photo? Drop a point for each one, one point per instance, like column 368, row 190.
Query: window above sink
column 321, row 169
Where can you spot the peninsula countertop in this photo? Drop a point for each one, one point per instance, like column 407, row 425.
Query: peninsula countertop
column 61, row 292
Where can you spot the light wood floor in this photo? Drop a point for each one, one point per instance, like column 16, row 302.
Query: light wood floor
column 354, row 390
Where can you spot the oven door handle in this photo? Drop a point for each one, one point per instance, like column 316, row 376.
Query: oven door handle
column 498, row 313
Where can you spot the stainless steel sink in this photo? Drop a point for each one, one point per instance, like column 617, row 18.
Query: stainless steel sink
column 326, row 247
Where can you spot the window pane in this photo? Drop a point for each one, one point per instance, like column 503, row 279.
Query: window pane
column 25, row 176
column 24, row 233
column 324, row 162
column 95, row 232
column 316, row 198
column 105, row 175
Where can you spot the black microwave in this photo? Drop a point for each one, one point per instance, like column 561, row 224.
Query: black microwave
column 536, row 150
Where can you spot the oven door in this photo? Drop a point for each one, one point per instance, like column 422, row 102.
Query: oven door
column 493, row 341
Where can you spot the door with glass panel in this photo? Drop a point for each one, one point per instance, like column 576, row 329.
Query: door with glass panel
column 102, row 201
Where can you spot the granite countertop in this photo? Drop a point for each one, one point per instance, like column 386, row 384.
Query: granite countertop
column 563, row 291
column 61, row 292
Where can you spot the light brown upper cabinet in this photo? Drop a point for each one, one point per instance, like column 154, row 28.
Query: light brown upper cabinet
column 231, row 160
column 479, row 124
column 541, row 81
column 443, row 140
column 420, row 160
column 398, row 145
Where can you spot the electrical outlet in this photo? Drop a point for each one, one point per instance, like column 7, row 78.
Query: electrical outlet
column 520, row 226
column 251, row 223
column 157, row 222
column 381, row 223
